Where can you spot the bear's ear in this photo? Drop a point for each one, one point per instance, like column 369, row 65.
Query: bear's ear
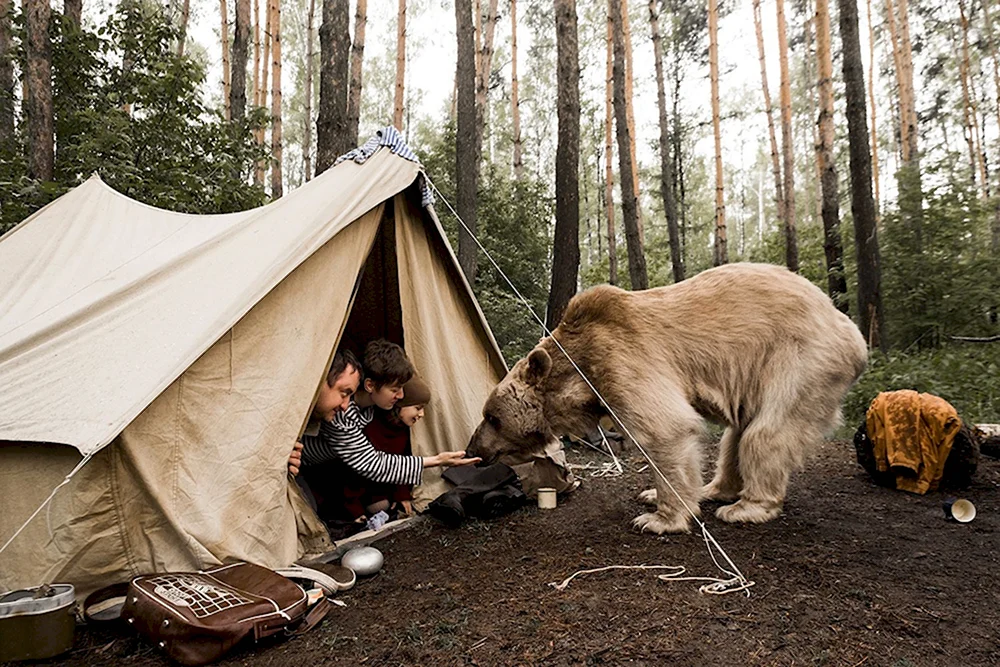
column 539, row 365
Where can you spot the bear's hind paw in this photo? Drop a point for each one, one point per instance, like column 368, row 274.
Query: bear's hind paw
column 654, row 522
column 744, row 511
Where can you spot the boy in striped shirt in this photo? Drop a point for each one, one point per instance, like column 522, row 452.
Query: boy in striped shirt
column 343, row 414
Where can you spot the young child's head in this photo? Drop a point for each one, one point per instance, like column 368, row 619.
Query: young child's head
column 386, row 371
column 341, row 383
column 410, row 409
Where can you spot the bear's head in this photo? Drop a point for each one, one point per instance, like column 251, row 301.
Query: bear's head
column 514, row 416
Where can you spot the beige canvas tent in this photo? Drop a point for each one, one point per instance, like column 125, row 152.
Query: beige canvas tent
column 178, row 357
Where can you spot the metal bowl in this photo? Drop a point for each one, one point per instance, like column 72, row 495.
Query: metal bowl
column 364, row 561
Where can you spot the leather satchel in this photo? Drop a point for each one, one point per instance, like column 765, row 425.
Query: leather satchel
column 195, row 617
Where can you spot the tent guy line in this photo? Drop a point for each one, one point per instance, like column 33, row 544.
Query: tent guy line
column 737, row 581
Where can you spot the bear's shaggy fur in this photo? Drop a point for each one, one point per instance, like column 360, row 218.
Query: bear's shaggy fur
column 754, row 347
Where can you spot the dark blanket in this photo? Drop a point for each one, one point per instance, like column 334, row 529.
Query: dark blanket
column 485, row 492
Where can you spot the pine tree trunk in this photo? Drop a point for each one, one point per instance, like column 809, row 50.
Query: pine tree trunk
column 788, row 190
column 466, row 150
column 995, row 235
column 666, row 160
column 779, row 196
column 397, row 106
column 226, row 74
column 515, row 106
column 265, row 69
column 241, row 44
column 871, row 101
column 38, row 91
column 835, row 277
column 332, row 134
column 256, row 53
column 972, row 111
column 609, row 173
column 721, row 249
column 908, row 176
column 566, row 242
column 307, row 164
column 6, row 76
column 485, row 66
column 870, row 314
column 185, row 15
column 276, row 171
column 630, row 208
column 357, row 59
column 73, row 11
column 630, row 112
column 968, row 126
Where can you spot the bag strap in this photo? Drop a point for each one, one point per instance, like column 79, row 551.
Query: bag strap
column 325, row 581
column 311, row 619
column 104, row 605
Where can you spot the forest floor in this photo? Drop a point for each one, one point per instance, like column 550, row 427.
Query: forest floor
column 851, row 574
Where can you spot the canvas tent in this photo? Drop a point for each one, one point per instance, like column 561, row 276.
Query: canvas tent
column 179, row 356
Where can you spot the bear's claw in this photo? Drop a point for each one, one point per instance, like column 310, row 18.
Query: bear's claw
column 654, row 522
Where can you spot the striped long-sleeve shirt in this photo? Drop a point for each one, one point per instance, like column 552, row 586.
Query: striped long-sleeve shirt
column 343, row 438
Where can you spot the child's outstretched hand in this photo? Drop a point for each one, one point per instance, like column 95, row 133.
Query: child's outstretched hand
column 451, row 459
column 295, row 459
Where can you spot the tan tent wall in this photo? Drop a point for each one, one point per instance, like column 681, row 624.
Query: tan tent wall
column 200, row 476
column 446, row 339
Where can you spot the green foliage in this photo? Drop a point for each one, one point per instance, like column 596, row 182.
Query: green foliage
column 948, row 284
column 967, row 376
column 128, row 108
column 513, row 225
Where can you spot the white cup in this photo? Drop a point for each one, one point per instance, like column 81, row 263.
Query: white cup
column 546, row 498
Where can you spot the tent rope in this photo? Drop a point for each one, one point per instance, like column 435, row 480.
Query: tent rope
column 45, row 502
column 736, row 579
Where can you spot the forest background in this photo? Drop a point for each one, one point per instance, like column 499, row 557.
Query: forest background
column 600, row 141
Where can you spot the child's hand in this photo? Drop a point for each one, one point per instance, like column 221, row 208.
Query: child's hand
column 450, row 459
column 295, row 459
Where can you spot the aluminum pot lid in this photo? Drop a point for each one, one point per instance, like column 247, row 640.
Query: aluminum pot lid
column 23, row 603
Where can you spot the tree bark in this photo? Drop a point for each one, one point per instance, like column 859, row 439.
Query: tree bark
column 466, row 149
column 630, row 208
column 241, row 45
column 357, row 59
column 6, row 76
column 485, row 66
column 666, row 161
column 835, row 277
column 871, row 101
column 791, row 240
column 870, row 314
column 185, row 15
column 73, row 10
column 779, row 197
column 566, row 243
column 276, row 171
column 256, row 53
column 307, row 164
column 971, row 107
column 332, row 135
column 515, row 106
column 609, row 173
column 630, row 112
column 38, row 91
column 721, row 249
column 397, row 106
column 226, row 73
column 908, row 176
column 265, row 68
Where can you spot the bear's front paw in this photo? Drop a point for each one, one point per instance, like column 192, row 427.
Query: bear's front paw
column 744, row 511
column 657, row 523
column 716, row 491
column 648, row 497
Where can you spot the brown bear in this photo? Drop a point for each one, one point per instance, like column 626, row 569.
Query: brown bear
column 754, row 347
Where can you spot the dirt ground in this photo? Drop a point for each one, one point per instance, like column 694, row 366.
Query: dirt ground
column 851, row 574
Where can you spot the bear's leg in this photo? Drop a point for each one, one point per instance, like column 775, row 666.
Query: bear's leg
column 768, row 451
column 680, row 461
column 648, row 497
column 727, row 483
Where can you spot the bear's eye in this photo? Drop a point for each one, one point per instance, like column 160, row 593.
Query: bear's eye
column 493, row 421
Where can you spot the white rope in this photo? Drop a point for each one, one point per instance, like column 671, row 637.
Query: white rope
column 714, row 587
column 710, row 541
column 46, row 501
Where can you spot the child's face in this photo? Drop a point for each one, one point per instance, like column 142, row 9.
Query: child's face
column 384, row 397
column 411, row 414
column 338, row 397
